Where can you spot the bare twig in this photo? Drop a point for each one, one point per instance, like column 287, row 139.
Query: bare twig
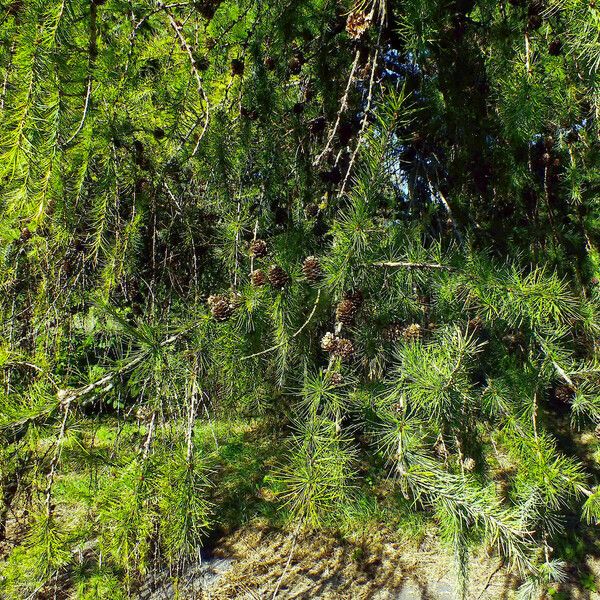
column 413, row 265
column 177, row 28
column 365, row 119
column 312, row 312
column 289, row 560
column 489, row 579
column 55, row 458
column 343, row 107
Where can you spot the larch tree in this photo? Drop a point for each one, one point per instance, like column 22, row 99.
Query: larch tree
column 373, row 227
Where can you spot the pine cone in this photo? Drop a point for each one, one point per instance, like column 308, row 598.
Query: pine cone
column 534, row 22
column 344, row 348
column 311, row 268
column 412, row 332
column 564, row 393
column 220, row 307
column 503, row 482
column 474, row 325
column 597, row 431
column 317, row 125
column 208, row 8
column 294, row 65
column 258, row 248
column 248, row 113
column 393, row 332
column 346, row 311
column 278, row 278
column 259, row 278
column 357, row 23
column 329, row 342
column 270, row 63
column 337, row 379
column 267, row 494
column 25, row 234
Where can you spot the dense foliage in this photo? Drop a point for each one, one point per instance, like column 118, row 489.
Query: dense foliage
column 371, row 229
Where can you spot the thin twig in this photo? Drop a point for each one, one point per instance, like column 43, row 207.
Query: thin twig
column 55, row 458
column 312, row 312
column 176, row 27
column 343, row 107
column 365, row 119
column 289, row 560
column 489, row 579
column 413, row 265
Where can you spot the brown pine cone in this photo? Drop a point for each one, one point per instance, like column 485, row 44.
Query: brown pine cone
column 412, row 332
column 346, row 311
column 474, row 325
column 345, row 348
column 258, row 248
column 258, row 278
column 294, row 65
column 317, row 125
column 337, row 379
column 357, row 23
column 393, row 332
column 555, row 47
column 237, row 66
column 220, row 307
column 278, row 278
column 329, row 342
column 311, row 268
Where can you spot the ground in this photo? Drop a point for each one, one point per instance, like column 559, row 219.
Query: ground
column 254, row 563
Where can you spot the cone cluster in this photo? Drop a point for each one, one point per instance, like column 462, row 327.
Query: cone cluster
column 337, row 379
column 412, row 332
column 393, row 332
column 338, row 346
column 357, row 23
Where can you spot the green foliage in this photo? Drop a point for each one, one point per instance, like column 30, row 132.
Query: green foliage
column 436, row 362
